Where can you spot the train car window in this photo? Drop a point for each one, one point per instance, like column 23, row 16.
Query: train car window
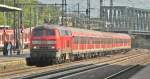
column 125, row 40
column 92, row 40
column 105, row 41
column 120, row 40
column 116, row 40
column 102, row 41
column 50, row 32
column 38, row 32
column 83, row 40
column 87, row 40
column 97, row 41
column 76, row 39
column 109, row 40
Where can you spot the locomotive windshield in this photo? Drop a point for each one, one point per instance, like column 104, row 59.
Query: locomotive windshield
column 37, row 32
column 50, row 32
column 43, row 32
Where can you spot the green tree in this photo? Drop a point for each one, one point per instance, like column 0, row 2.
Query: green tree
column 37, row 12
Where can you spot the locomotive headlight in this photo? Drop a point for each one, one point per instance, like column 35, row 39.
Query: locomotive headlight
column 52, row 47
column 51, row 42
column 35, row 47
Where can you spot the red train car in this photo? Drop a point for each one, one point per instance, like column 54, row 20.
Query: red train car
column 53, row 43
column 7, row 34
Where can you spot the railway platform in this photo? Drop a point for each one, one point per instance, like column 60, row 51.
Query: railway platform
column 143, row 74
column 13, row 61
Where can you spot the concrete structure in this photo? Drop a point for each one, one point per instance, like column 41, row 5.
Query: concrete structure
column 126, row 19
column 143, row 74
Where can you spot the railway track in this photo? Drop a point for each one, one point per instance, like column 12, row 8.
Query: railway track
column 69, row 71
column 27, row 69
column 128, row 72
column 37, row 70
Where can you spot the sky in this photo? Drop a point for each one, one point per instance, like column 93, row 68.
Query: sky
column 144, row 4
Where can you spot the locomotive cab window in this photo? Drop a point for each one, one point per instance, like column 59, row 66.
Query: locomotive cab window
column 50, row 32
column 38, row 32
column 65, row 33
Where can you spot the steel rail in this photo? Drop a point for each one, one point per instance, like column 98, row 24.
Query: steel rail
column 53, row 75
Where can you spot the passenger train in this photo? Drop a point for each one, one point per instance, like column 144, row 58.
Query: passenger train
column 57, row 44
column 7, row 34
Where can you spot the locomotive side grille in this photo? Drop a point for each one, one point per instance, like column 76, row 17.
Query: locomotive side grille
column 43, row 42
column 42, row 52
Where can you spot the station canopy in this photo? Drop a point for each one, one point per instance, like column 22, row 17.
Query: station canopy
column 5, row 8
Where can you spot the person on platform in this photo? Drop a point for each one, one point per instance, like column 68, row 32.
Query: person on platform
column 17, row 47
column 5, row 52
column 9, row 46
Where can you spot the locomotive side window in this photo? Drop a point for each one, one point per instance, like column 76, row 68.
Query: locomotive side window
column 65, row 33
column 62, row 32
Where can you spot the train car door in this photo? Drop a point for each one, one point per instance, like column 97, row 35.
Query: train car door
column 66, row 41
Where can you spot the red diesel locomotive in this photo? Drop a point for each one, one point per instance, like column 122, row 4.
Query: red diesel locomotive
column 55, row 44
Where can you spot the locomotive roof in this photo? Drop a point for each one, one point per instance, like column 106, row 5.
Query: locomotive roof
column 79, row 30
